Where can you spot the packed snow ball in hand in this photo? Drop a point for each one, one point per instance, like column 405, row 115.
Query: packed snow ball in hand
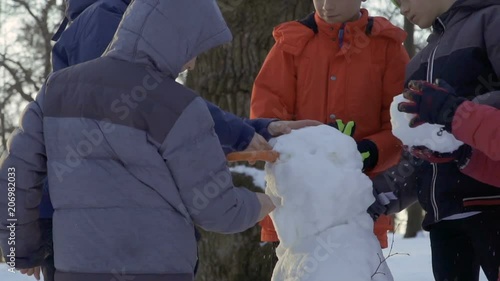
column 428, row 135
column 321, row 197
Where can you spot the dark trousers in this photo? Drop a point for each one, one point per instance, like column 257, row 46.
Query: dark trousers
column 461, row 247
column 48, row 268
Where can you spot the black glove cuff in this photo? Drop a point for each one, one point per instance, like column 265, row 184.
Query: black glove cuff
column 464, row 155
column 451, row 107
column 368, row 146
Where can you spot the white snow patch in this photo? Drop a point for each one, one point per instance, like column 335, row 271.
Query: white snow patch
column 258, row 175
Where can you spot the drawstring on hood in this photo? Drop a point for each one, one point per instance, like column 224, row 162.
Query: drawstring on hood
column 166, row 34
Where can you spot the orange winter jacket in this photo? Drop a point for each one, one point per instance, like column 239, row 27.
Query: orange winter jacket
column 348, row 71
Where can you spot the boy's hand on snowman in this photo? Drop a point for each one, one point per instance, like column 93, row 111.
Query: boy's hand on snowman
column 432, row 103
column 258, row 142
column 346, row 129
column 278, row 128
column 266, row 205
column 367, row 148
column 369, row 153
column 379, row 206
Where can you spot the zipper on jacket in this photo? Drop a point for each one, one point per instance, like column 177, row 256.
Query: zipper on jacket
column 430, row 77
column 341, row 35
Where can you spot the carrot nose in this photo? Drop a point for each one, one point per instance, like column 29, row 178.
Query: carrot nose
column 253, row 156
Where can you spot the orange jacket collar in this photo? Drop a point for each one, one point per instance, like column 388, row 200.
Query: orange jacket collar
column 329, row 29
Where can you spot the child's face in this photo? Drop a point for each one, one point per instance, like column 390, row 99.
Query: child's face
column 422, row 12
column 335, row 11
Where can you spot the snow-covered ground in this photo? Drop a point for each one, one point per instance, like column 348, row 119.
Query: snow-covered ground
column 413, row 267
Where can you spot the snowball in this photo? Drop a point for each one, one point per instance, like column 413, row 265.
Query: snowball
column 427, row 135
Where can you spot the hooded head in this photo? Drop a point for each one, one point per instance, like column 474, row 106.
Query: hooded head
column 424, row 12
column 76, row 7
column 491, row 99
column 167, row 34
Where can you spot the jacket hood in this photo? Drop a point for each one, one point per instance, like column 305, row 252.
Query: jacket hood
column 166, row 34
column 292, row 36
column 463, row 8
column 491, row 99
column 76, row 7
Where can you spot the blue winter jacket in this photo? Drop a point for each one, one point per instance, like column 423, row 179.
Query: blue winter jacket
column 92, row 25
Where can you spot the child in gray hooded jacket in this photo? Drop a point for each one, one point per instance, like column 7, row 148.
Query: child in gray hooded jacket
column 131, row 156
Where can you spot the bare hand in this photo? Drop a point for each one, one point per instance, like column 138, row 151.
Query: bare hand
column 32, row 271
column 258, row 143
column 278, row 128
column 266, row 205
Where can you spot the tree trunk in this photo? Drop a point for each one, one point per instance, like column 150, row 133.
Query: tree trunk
column 240, row 256
column 3, row 133
column 414, row 223
column 225, row 77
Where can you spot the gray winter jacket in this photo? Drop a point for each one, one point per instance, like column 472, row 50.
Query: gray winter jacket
column 131, row 156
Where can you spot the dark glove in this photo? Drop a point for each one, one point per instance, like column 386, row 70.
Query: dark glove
column 379, row 207
column 434, row 104
column 424, row 153
column 367, row 148
column 346, row 129
column 369, row 153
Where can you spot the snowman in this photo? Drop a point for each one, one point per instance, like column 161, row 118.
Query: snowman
column 321, row 197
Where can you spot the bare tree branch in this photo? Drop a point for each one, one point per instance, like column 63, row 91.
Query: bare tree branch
column 18, row 82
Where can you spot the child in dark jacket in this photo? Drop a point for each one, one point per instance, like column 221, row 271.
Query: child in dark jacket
column 472, row 122
column 462, row 213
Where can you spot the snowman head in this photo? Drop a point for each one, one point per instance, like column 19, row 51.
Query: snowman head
column 316, row 183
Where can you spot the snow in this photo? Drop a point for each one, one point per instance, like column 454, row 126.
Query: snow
column 424, row 135
column 258, row 175
column 413, row 263
column 412, row 259
column 322, row 196
column 6, row 275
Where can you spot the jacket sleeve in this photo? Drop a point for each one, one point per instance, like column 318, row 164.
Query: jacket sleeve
column 195, row 159
column 273, row 94
column 23, row 168
column 482, row 168
column 401, row 180
column 477, row 125
column 234, row 134
column 388, row 146
column 492, row 40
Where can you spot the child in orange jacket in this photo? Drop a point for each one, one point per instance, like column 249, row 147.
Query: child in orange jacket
column 337, row 63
